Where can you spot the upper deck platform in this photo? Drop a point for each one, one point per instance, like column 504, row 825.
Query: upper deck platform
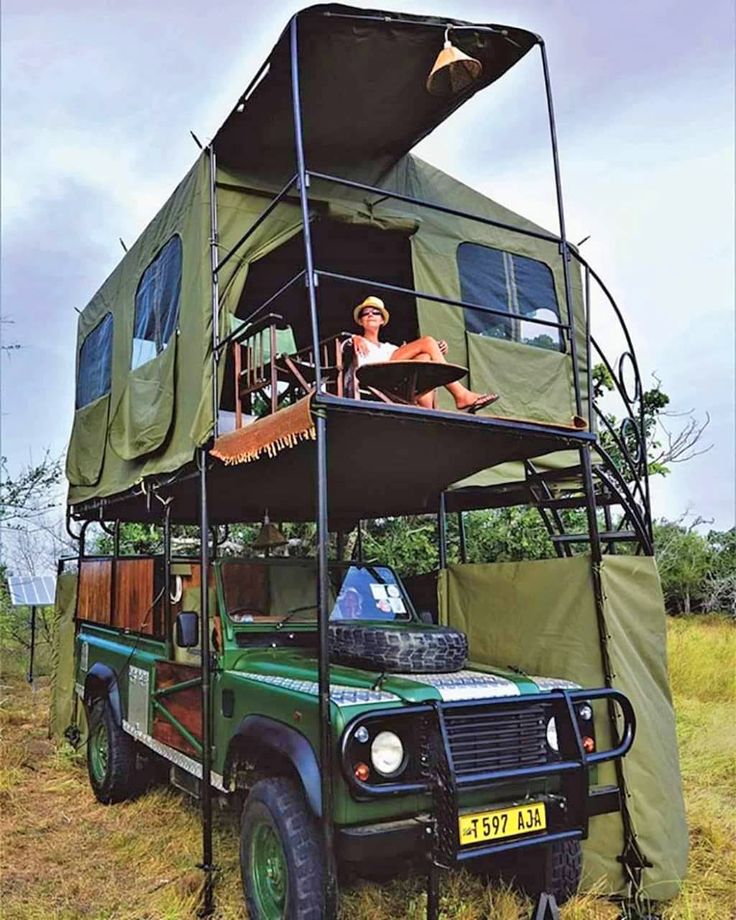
column 382, row 460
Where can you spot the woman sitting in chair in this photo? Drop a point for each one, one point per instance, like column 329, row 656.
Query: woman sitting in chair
column 371, row 315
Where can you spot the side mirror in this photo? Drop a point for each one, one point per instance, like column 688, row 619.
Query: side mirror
column 187, row 629
column 426, row 617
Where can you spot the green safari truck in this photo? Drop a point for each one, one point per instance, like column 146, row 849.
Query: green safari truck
column 430, row 759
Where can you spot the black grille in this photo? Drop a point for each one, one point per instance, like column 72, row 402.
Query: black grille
column 496, row 738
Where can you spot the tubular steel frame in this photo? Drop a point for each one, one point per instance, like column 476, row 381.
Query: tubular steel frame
column 311, row 275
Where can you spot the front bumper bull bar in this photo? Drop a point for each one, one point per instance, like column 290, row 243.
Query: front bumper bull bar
column 438, row 776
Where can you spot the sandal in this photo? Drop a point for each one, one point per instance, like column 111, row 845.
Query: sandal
column 481, row 402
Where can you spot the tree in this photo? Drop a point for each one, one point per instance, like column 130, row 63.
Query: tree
column 30, row 494
column 32, row 538
column 665, row 445
column 720, row 581
column 684, row 558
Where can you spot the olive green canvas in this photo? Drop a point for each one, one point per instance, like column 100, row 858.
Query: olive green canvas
column 540, row 617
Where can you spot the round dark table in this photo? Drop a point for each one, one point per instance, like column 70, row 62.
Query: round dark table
column 404, row 381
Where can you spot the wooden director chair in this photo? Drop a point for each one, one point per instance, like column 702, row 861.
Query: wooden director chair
column 271, row 373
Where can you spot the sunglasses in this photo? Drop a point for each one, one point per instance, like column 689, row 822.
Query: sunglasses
column 371, row 313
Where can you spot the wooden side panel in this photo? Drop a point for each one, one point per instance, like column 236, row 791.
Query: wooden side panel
column 134, row 595
column 95, row 584
column 185, row 705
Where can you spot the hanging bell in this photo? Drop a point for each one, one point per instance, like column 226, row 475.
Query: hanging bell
column 453, row 70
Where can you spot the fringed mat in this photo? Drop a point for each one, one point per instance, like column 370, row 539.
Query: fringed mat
column 267, row 435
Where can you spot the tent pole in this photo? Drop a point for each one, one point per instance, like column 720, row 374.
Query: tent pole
column 168, row 625
column 359, row 541
column 631, row 855
column 33, row 644
column 442, row 531
column 589, row 354
column 214, row 259
column 325, row 725
column 207, row 867
column 463, row 537
column 303, row 183
column 564, row 246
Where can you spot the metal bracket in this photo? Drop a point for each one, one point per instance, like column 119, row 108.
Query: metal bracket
column 547, row 908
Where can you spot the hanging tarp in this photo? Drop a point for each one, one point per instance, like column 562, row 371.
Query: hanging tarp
column 540, row 617
column 62, row 654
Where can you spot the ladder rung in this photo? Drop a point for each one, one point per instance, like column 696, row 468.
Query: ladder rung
column 605, row 536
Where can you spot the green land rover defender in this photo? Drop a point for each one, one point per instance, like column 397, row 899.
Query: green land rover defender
column 430, row 759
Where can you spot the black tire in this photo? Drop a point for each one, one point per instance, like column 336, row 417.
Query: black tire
column 275, row 817
column 438, row 650
column 555, row 869
column 111, row 757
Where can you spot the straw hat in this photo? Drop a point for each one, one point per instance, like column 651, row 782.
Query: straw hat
column 371, row 302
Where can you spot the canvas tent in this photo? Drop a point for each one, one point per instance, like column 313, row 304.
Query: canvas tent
column 148, row 418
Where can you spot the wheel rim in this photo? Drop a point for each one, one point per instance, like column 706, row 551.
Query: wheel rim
column 268, row 871
column 99, row 752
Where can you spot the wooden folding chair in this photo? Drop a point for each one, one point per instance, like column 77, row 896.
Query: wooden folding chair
column 256, row 353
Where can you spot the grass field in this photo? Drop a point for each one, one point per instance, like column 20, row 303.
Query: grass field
column 64, row 856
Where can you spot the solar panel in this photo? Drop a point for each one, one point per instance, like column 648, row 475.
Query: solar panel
column 32, row 590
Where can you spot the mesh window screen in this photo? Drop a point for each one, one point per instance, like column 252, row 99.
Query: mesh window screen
column 522, row 287
column 95, row 363
column 157, row 304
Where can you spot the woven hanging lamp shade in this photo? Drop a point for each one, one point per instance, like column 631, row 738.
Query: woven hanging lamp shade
column 269, row 536
column 453, row 71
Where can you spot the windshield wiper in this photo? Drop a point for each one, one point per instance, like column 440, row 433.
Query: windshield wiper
column 293, row 612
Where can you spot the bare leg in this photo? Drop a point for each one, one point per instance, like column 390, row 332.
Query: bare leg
column 426, row 400
column 427, row 349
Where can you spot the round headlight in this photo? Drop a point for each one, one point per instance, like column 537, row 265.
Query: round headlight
column 387, row 753
column 585, row 712
column 552, row 735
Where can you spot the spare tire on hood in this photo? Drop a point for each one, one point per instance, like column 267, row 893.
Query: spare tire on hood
column 412, row 650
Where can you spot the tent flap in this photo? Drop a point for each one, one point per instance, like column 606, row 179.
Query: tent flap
column 534, row 383
column 62, row 651
column 144, row 414
column 86, row 451
column 540, row 617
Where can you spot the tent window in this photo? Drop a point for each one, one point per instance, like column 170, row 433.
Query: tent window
column 157, row 304
column 524, row 288
column 95, row 363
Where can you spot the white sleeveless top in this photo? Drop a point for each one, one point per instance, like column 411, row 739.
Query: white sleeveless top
column 376, row 353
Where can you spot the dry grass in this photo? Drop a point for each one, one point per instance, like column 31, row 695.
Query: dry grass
column 64, row 856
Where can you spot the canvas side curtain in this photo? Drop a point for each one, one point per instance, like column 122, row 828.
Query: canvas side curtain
column 62, row 655
column 540, row 617
column 158, row 297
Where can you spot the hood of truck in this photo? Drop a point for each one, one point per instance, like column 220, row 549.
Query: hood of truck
column 296, row 670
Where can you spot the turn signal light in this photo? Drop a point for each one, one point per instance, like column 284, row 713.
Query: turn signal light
column 362, row 771
column 588, row 744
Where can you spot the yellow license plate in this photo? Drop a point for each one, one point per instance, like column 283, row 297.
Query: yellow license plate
column 506, row 822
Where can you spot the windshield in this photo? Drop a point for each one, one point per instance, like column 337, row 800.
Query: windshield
column 278, row 591
column 368, row 592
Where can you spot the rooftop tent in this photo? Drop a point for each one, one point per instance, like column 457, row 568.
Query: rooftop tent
column 158, row 401
column 145, row 386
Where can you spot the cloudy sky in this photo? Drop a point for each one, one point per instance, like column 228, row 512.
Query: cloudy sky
column 98, row 100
